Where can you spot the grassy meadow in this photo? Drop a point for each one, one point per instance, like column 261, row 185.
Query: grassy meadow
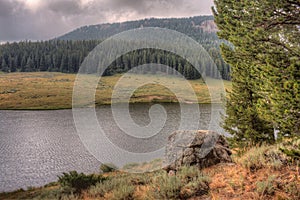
column 51, row 90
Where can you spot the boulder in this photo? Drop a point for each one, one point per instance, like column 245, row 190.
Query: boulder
column 201, row 148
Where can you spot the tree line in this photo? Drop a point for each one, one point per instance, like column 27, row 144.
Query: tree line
column 67, row 56
column 52, row 56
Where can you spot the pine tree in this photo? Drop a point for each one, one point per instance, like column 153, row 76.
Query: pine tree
column 64, row 64
column 278, row 39
column 23, row 63
column 180, row 69
column 265, row 36
column 4, row 66
column 43, row 66
column 11, row 64
column 29, row 65
column 242, row 119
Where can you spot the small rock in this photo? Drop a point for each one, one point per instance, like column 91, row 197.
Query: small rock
column 171, row 173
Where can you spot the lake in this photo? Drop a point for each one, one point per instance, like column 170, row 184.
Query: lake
column 37, row 146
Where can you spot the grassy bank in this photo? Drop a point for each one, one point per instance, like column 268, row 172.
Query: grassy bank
column 257, row 173
column 49, row 90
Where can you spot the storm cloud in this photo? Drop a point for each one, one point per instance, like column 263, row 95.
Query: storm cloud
column 46, row 19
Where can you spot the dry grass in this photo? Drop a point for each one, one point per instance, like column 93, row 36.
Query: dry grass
column 35, row 90
column 49, row 90
column 262, row 157
column 143, row 167
column 236, row 182
column 260, row 173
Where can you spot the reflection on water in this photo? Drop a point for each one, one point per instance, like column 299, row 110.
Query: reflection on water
column 36, row 146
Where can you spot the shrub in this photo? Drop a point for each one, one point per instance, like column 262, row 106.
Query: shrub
column 48, row 194
column 130, row 166
column 124, row 191
column 75, row 182
column 70, row 197
column 254, row 159
column 195, row 183
column 263, row 156
column 194, row 188
column 108, row 167
column 140, row 179
column 187, row 183
column 291, row 148
column 293, row 189
column 266, row 187
column 121, row 186
column 166, row 187
column 100, row 189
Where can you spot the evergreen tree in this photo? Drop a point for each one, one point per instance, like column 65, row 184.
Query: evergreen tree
column 11, row 64
column 242, row 119
column 29, row 65
column 4, row 66
column 278, row 57
column 265, row 62
column 180, row 69
column 64, row 64
column 23, row 63
column 42, row 65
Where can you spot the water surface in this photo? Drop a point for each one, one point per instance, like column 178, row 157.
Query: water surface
column 37, row 146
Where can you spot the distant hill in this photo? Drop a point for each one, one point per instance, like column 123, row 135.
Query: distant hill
column 199, row 27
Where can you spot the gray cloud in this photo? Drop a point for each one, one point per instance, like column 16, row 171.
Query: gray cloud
column 6, row 8
column 45, row 19
column 67, row 7
column 135, row 4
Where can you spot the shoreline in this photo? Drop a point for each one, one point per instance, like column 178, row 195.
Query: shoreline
column 100, row 105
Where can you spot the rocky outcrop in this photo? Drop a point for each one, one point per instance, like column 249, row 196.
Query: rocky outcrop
column 209, row 26
column 201, row 148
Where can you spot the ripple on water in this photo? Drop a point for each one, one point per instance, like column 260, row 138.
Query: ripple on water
column 37, row 146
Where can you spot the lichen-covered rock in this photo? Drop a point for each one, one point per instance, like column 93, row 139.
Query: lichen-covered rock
column 201, row 148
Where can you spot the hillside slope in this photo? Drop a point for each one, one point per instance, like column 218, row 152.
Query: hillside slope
column 196, row 27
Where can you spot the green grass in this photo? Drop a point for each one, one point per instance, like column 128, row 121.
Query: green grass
column 49, row 90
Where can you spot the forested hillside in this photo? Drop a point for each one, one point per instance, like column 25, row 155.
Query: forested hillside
column 201, row 28
column 66, row 53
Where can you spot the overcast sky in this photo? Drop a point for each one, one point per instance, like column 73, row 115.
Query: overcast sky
column 46, row 19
